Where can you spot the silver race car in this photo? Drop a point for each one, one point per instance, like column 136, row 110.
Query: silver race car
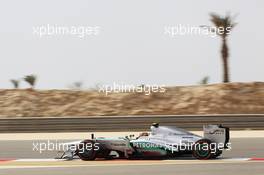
column 161, row 142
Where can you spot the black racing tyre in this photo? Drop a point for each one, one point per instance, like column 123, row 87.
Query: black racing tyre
column 102, row 152
column 202, row 149
column 86, row 150
column 217, row 154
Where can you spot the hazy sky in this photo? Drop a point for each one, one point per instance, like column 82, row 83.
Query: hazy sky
column 131, row 47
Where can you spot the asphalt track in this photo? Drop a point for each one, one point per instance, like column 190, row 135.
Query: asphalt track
column 229, row 163
column 148, row 169
column 241, row 148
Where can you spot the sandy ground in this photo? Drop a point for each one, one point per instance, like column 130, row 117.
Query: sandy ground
column 85, row 135
column 223, row 98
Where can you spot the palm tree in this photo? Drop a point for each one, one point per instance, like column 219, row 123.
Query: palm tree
column 15, row 83
column 77, row 85
column 31, row 80
column 204, row 81
column 223, row 24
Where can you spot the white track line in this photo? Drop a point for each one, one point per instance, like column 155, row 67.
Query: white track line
column 169, row 160
column 118, row 163
column 38, row 160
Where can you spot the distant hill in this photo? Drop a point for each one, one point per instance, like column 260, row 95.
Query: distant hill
column 231, row 98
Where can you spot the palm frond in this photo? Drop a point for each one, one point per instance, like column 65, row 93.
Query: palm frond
column 31, row 79
column 225, row 22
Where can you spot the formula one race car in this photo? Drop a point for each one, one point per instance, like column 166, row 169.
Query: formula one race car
column 161, row 142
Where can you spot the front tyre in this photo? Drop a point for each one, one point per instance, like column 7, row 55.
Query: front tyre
column 86, row 150
column 202, row 149
column 217, row 154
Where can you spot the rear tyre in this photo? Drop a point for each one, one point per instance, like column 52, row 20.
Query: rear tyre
column 86, row 150
column 202, row 149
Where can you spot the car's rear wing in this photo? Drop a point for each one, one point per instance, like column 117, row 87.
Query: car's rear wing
column 217, row 134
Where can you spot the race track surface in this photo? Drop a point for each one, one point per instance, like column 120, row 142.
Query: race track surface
column 34, row 163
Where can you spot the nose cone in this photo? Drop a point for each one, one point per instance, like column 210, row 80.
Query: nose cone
column 196, row 138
